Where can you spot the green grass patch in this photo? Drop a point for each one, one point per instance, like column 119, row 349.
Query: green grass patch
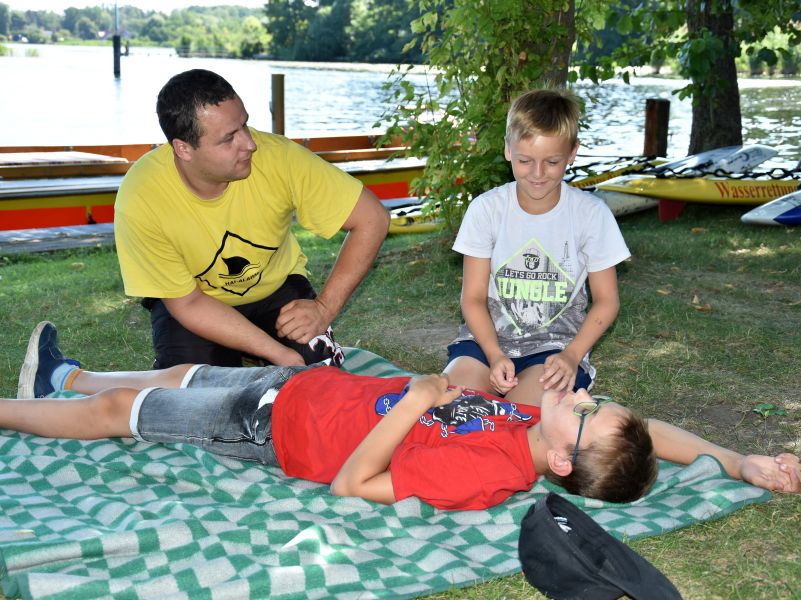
column 710, row 327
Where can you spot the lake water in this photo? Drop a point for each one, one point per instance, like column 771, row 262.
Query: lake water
column 68, row 95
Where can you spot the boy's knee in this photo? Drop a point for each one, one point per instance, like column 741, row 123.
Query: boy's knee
column 113, row 406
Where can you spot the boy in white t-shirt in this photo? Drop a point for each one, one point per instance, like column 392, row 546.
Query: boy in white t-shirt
column 529, row 248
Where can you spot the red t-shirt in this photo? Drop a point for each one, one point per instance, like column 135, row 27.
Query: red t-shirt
column 471, row 454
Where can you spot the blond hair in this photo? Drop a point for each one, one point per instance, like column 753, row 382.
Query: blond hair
column 551, row 112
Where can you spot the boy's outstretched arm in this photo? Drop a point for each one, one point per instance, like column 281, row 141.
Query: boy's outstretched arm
column 365, row 473
column 781, row 473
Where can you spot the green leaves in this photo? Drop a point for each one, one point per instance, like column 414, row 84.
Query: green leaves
column 484, row 54
column 766, row 410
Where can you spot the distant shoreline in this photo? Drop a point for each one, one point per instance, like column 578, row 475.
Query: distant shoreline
column 641, row 74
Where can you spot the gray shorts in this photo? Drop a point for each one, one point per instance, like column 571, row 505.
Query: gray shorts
column 225, row 410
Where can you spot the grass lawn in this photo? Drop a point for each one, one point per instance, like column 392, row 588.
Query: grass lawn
column 709, row 329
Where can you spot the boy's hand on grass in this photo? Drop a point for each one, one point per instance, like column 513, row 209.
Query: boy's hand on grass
column 559, row 372
column 502, row 375
column 791, row 465
column 781, row 473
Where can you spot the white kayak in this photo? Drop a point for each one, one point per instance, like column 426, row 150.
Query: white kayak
column 781, row 211
column 731, row 159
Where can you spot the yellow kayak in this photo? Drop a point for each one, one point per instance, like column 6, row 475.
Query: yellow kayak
column 718, row 190
column 415, row 219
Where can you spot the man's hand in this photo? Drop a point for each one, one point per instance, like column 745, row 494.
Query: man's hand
column 302, row 320
column 560, row 372
column 286, row 358
column 502, row 375
column 781, row 473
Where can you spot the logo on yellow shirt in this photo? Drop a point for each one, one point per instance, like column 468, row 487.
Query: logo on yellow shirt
column 237, row 266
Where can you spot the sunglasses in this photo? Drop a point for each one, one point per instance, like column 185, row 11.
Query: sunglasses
column 584, row 410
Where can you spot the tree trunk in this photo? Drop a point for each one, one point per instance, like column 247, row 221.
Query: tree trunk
column 717, row 120
column 556, row 49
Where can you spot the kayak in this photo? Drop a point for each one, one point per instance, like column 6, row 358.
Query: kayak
column 722, row 176
column 782, row 211
column 706, row 189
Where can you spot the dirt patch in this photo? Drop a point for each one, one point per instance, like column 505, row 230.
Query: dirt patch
column 746, row 430
column 433, row 338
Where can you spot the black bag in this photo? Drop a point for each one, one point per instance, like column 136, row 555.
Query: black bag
column 566, row 555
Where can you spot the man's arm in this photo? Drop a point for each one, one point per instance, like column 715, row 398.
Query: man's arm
column 781, row 473
column 213, row 320
column 365, row 474
column 367, row 224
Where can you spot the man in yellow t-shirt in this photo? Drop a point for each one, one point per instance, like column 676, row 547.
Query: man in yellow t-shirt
column 202, row 229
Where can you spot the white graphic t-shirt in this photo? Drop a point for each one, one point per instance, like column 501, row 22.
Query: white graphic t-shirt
column 539, row 264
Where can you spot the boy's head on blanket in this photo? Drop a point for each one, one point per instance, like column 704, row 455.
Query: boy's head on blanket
column 606, row 454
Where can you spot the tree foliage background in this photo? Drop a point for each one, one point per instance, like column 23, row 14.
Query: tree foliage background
column 706, row 37
column 485, row 53
column 328, row 30
column 481, row 54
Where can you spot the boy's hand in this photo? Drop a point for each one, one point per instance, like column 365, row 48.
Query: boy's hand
column 781, row 473
column 502, row 375
column 560, row 372
column 434, row 389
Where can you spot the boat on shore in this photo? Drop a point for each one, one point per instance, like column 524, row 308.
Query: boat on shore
column 56, row 186
column 705, row 190
column 718, row 176
column 634, row 184
column 50, row 186
column 784, row 211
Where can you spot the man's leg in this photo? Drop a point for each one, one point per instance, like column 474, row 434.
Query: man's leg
column 265, row 313
column 176, row 345
column 96, row 417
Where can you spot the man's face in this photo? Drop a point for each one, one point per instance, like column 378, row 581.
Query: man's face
column 226, row 146
column 559, row 424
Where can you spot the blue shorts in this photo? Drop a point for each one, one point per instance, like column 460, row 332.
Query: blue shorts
column 473, row 350
column 225, row 410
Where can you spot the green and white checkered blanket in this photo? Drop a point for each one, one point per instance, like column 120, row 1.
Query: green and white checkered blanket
column 129, row 520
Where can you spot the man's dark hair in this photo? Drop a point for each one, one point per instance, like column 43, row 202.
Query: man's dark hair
column 182, row 96
column 621, row 467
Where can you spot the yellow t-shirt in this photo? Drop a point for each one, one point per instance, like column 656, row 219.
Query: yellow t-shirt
column 238, row 247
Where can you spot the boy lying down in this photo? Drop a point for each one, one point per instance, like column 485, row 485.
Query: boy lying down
column 380, row 439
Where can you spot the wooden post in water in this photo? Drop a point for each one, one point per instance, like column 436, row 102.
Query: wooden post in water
column 116, row 43
column 277, row 102
column 657, row 116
